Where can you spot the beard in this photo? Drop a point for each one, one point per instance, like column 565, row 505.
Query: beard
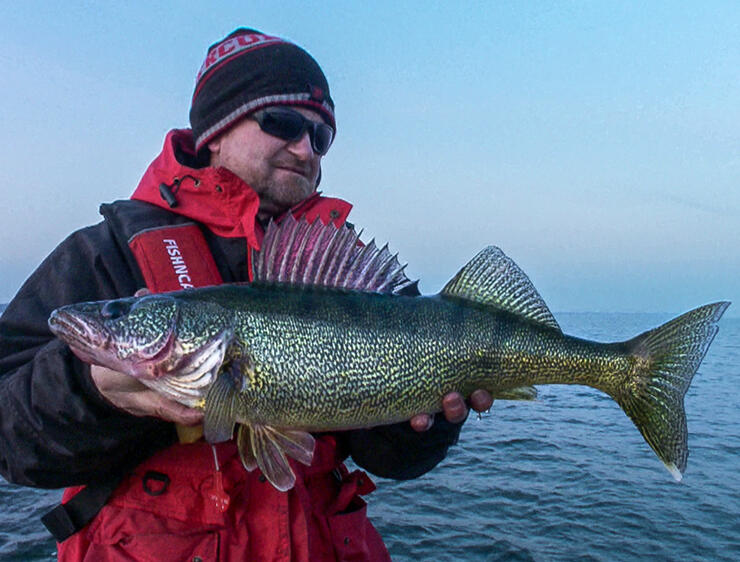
column 281, row 190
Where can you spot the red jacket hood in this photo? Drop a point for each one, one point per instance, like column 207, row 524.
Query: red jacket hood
column 216, row 197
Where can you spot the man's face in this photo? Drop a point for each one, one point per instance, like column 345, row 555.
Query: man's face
column 282, row 172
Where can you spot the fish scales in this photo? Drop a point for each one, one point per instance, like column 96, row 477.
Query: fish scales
column 319, row 353
column 279, row 361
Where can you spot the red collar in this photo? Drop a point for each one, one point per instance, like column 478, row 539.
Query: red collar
column 216, row 197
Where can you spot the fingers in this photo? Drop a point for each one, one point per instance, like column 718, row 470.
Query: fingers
column 109, row 381
column 481, row 400
column 422, row 422
column 142, row 292
column 455, row 409
column 129, row 395
column 172, row 411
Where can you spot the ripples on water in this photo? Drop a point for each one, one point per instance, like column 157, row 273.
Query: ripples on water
column 565, row 478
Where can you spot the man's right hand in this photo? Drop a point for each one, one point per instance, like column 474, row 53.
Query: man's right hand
column 128, row 394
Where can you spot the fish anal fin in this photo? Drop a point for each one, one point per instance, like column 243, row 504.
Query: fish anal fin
column 491, row 278
column 518, row 393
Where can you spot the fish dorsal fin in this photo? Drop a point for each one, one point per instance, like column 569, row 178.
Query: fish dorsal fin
column 319, row 255
column 493, row 279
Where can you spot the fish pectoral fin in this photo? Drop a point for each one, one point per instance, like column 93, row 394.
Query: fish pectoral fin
column 269, row 447
column 518, row 393
column 218, row 416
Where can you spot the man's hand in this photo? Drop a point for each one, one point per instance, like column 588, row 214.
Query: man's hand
column 128, row 394
column 455, row 409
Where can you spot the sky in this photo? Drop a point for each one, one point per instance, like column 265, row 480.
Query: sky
column 596, row 143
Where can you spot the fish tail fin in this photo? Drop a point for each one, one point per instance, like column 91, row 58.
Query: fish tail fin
column 666, row 359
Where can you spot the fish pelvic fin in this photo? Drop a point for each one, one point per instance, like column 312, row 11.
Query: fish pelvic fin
column 318, row 255
column 666, row 359
column 244, row 446
column 268, row 448
column 493, row 279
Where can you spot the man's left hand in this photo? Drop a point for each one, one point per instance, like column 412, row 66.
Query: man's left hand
column 455, row 408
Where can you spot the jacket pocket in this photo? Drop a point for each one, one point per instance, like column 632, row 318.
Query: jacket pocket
column 129, row 534
column 354, row 537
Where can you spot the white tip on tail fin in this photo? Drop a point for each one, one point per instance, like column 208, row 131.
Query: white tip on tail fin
column 677, row 476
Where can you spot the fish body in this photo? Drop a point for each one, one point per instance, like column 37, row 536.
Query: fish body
column 324, row 359
column 282, row 360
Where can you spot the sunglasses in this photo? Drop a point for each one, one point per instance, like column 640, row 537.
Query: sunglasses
column 290, row 125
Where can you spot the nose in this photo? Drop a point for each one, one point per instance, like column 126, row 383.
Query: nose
column 302, row 148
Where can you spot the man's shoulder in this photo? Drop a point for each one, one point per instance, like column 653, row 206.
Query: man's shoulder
column 129, row 217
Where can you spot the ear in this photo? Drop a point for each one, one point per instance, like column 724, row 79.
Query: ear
column 215, row 145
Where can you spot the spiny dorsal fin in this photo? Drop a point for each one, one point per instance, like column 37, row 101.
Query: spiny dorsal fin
column 492, row 278
column 315, row 254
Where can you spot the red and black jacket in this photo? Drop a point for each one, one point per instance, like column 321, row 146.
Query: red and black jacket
column 57, row 430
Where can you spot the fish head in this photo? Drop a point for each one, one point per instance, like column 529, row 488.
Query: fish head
column 146, row 337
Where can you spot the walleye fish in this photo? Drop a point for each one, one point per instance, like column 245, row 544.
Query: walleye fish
column 323, row 342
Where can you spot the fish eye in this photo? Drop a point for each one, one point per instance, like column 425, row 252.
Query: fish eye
column 115, row 309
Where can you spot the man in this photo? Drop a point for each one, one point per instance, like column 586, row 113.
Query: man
column 262, row 118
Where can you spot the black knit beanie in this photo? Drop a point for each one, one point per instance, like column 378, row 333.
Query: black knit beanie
column 249, row 70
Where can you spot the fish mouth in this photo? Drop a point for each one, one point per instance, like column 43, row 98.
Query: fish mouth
column 93, row 342
column 82, row 336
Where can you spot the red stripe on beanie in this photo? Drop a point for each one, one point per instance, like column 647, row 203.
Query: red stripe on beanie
column 232, row 46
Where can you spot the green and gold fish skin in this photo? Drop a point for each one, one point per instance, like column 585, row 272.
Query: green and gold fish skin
column 280, row 360
column 319, row 359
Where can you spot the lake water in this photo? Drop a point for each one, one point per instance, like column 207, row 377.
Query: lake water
column 567, row 477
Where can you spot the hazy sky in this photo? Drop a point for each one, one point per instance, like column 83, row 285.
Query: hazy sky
column 597, row 143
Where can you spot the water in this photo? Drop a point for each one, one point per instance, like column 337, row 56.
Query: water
column 565, row 478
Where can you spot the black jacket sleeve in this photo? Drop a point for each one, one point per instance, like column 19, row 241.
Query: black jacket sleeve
column 55, row 428
column 398, row 452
